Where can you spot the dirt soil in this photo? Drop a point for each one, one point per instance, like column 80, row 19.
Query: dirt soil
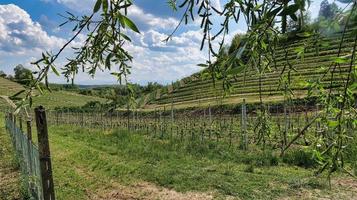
column 341, row 189
column 147, row 191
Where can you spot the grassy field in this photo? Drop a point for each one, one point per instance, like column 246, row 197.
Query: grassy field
column 63, row 98
column 97, row 164
column 48, row 99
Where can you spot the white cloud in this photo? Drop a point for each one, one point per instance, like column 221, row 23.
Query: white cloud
column 19, row 34
column 154, row 60
column 152, row 21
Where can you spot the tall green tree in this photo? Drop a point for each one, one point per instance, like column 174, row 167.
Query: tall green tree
column 23, row 75
column 328, row 11
column 2, row 74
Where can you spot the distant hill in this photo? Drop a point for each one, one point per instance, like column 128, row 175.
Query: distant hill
column 96, row 86
column 58, row 85
column 50, row 99
column 8, row 88
column 196, row 91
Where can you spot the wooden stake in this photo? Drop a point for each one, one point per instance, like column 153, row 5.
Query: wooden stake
column 44, row 153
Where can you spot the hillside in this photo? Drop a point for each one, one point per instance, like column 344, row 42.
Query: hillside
column 49, row 99
column 195, row 91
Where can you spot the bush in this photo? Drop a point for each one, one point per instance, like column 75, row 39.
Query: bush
column 300, row 157
column 263, row 158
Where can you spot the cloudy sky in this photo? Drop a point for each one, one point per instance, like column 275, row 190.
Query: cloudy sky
column 29, row 27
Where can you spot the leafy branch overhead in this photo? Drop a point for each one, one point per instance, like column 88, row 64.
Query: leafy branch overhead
column 103, row 48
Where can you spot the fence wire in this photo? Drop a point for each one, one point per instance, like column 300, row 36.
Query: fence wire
column 28, row 158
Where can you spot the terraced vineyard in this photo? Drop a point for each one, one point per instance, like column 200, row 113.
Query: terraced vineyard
column 49, row 100
column 196, row 91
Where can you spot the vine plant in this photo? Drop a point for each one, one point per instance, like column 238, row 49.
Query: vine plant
column 104, row 48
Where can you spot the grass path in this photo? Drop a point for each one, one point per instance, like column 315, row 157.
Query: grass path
column 9, row 175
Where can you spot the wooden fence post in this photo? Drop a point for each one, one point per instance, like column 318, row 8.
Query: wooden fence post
column 286, row 127
column 244, row 126
column 44, row 152
column 29, row 129
column 20, row 122
column 29, row 141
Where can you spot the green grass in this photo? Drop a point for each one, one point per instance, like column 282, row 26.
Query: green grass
column 8, row 88
column 10, row 187
column 64, row 99
column 90, row 160
column 49, row 99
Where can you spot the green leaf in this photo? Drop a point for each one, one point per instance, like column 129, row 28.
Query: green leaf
column 55, row 70
column 332, row 123
column 125, row 37
column 353, row 86
column 235, row 70
column 39, row 88
column 105, row 6
column 274, row 12
column 202, row 65
column 108, row 61
column 97, row 6
column 18, row 93
column 125, row 20
column 294, row 17
column 304, row 34
column 290, row 10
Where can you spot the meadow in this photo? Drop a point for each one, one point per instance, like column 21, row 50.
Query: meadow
column 48, row 99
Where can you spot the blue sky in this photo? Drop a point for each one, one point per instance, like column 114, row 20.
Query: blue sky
column 28, row 27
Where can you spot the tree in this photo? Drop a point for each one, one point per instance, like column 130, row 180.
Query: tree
column 23, row 75
column 328, row 11
column 301, row 25
column 2, row 74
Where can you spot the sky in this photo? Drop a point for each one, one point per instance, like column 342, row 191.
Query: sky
column 30, row 27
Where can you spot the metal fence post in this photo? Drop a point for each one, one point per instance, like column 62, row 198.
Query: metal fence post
column 44, row 152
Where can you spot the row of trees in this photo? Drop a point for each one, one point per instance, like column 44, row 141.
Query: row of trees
column 119, row 93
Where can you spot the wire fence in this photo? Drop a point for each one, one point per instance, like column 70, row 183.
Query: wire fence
column 34, row 160
column 28, row 156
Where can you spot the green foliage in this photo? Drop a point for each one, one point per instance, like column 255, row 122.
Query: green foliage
column 119, row 94
column 23, row 75
column 300, row 157
column 328, row 11
column 2, row 74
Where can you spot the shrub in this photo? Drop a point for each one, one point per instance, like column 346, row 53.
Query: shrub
column 300, row 157
column 258, row 158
